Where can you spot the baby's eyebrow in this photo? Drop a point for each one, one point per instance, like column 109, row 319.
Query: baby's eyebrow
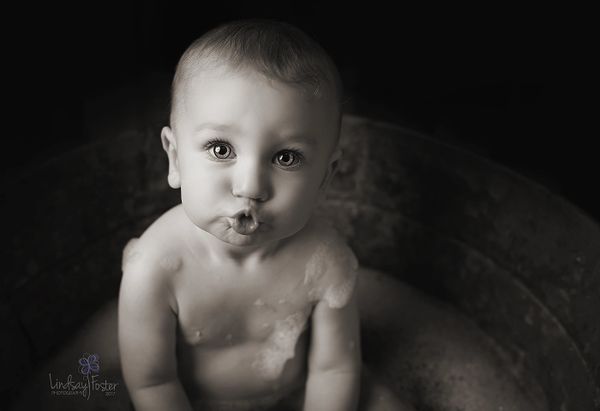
column 300, row 138
column 214, row 126
column 285, row 138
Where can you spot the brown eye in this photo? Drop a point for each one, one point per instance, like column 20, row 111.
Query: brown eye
column 221, row 151
column 287, row 159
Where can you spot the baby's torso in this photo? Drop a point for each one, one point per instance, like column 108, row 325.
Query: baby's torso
column 240, row 335
column 243, row 333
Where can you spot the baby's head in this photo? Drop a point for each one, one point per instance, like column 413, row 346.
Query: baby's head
column 255, row 122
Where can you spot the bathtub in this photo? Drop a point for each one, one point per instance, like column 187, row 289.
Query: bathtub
column 489, row 298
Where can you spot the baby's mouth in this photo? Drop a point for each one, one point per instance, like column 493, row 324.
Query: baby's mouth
column 245, row 222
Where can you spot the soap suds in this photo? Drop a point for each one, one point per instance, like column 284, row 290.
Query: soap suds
column 280, row 346
column 337, row 296
column 316, row 265
column 170, row 263
column 130, row 253
column 199, row 336
column 335, row 261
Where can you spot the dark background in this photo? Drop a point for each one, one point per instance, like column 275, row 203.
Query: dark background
column 515, row 85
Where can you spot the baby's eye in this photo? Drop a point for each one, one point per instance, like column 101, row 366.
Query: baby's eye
column 287, row 159
column 220, row 150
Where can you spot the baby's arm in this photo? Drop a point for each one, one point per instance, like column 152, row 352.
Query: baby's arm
column 334, row 359
column 147, row 326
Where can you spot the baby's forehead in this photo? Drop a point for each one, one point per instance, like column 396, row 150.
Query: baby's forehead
column 210, row 86
column 210, row 70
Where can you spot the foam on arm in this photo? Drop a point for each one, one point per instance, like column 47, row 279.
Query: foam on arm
column 331, row 272
column 334, row 357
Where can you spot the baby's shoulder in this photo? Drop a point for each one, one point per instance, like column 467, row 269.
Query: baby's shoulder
column 150, row 262
column 157, row 252
column 331, row 266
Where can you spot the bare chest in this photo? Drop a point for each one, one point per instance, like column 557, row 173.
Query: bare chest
column 220, row 309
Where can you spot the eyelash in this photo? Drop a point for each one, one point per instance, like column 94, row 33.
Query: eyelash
column 299, row 155
column 214, row 142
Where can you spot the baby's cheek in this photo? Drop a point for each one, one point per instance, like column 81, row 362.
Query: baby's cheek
column 290, row 214
column 199, row 202
column 205, row 184
column 298, row 190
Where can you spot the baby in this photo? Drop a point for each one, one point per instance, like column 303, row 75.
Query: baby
column 238, row 298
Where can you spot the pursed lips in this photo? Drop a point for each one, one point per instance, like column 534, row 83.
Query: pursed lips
column 245, row 221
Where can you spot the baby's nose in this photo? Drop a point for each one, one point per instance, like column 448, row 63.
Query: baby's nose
column 251, row 181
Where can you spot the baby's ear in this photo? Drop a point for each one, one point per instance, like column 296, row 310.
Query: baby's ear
column 170, row 146
column 332, row 168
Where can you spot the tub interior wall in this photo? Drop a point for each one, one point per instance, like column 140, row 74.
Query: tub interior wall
column 521, row 262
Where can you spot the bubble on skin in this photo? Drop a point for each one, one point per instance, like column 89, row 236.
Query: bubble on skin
column 280, row 346
column 170, row 263
column 199, row 336
column 337, row 296
column 329, row 257
column 196, row 335
column 316, row 266
column 262, row 304
column 315, row 293
column 131, row 253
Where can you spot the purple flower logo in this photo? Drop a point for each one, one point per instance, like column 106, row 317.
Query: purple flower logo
column 89, row 363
